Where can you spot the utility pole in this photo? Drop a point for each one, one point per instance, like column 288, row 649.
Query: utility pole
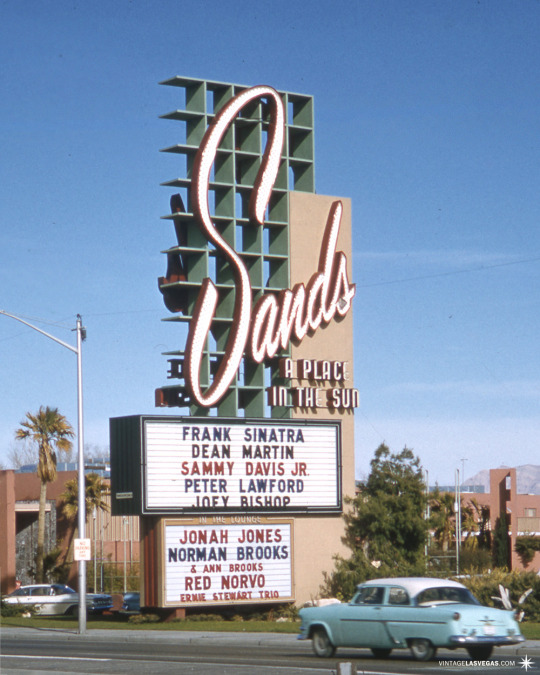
column 426, row 546
column 81, row 336
column 457, row 510
column 463, row 460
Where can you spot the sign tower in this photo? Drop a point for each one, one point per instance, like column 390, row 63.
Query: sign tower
column 241, row 496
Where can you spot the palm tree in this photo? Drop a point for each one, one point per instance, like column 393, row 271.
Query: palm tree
column 469, row 520
column 442, row 519
column 50, row 430
column 482, row 517
column 95, row 489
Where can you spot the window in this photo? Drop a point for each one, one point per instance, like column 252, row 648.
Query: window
column 529, row 513
column 370, row 595
column 443, row 594
column 62, row 590
column 21, row 592
column 398, row 596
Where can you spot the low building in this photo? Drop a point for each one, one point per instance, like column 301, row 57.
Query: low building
column 522, row 513
column 115, row 539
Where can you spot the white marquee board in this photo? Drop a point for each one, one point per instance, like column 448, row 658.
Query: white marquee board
column 224, row 564
column 195, row 466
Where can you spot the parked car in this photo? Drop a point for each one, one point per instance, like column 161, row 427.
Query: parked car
column 421, row 614
column 132, row 603
column 56, row 599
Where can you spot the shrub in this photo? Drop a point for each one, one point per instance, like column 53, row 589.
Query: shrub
column 288, row 612
column 206, row 617
column 486, row 586
column 144, row 618
column 13, row 610
column 526, row 548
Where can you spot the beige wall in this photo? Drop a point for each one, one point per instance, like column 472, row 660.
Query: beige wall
column 318, row 538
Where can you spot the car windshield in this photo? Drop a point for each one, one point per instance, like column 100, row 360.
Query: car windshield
column 446, row 594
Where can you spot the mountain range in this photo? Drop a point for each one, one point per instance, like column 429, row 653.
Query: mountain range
column 528, row 479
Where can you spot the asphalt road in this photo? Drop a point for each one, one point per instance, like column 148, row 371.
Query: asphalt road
column 102, row 652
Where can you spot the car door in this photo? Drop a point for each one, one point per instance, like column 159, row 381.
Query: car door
column 399, row 615
column 21, row 596
column 61, row 599
column 361, row 620
column 40, row 597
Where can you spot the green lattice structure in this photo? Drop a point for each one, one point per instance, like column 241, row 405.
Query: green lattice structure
column 264, row 250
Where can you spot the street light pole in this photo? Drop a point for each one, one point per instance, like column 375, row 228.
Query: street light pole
column 81, row 336
column 457, row 509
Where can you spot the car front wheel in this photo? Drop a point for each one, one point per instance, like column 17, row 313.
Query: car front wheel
column 321, row 643
column 422, row 649
column 480, row 653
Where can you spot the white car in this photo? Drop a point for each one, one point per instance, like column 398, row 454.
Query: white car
column 56, row 599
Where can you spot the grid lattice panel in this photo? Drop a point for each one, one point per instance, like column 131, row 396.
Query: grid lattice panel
column 264, row 250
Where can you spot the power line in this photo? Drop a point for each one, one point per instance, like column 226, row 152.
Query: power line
column 481, row 268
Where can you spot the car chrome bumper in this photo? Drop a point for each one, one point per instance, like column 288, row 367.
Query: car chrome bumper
column 495, row 640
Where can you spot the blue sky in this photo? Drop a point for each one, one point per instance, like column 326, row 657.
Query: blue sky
column 427, row 115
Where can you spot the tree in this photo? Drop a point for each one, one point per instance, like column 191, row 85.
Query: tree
column 49, row 430
column 95, row 490
column 501, row 548
column 21, row 453
column 386, row 528
column 482, row 518
column 475, row 519
column 442, row 519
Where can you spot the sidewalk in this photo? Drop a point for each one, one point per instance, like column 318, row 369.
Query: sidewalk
column 119, row 635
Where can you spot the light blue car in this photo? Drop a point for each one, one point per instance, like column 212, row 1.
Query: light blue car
column 420, row 614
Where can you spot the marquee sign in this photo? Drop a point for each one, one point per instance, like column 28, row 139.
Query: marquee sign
column 227, row 563
column 226, row 466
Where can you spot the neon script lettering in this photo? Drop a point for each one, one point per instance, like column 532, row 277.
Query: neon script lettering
column 275, row 319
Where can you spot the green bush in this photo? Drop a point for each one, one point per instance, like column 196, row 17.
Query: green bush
column 12, row 610
column 205, row 617
column 144, row 618
column 486, row 586
column 526, row 547
column 479, row 558
column 289, row 612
